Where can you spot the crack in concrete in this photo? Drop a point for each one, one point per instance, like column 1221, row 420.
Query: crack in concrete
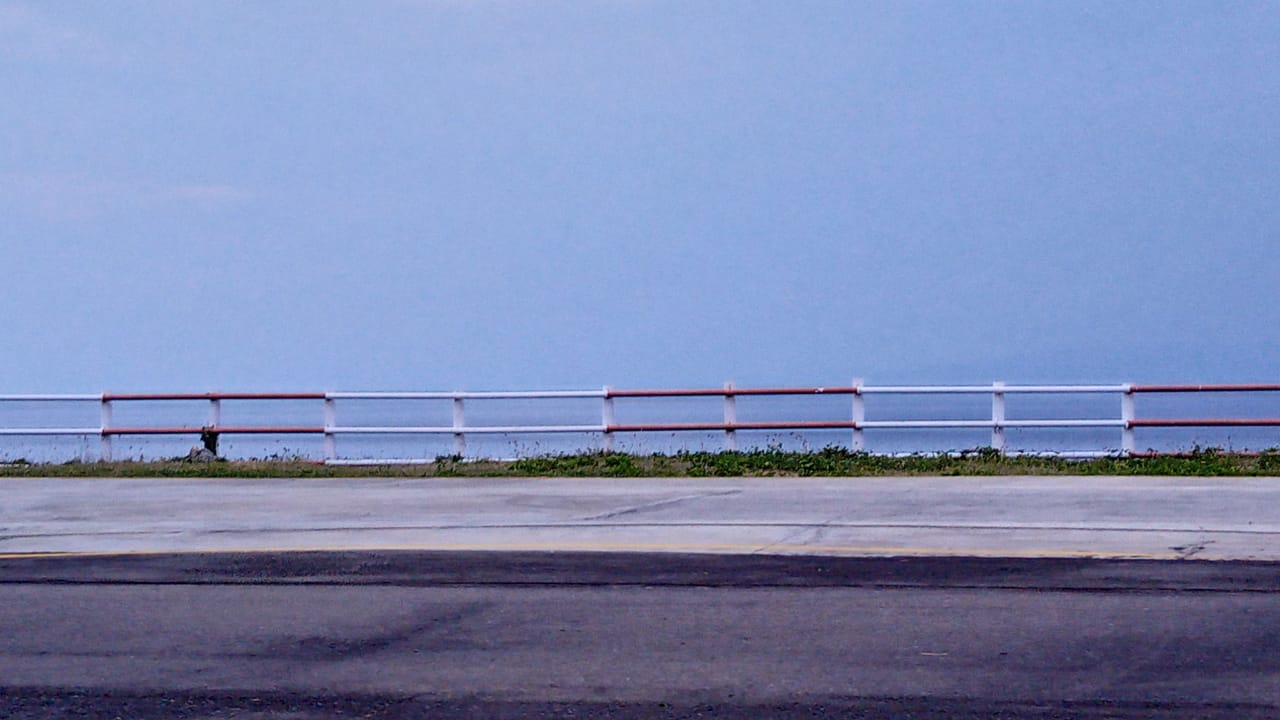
column 1186, row 552
column 660, row 504
column 816, row 530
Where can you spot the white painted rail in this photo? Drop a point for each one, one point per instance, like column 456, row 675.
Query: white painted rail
column 856, row 421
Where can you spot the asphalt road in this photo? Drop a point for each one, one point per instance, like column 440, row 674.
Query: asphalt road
column 619, row 635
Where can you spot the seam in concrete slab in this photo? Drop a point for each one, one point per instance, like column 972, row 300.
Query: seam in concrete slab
column 853, row 550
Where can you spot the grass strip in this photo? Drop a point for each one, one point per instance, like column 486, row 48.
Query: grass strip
column 829, row 462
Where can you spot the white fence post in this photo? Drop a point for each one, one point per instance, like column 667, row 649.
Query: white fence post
column 1128, row 444
column 215, row 419
column 997, row 417
column 459, row 420
column 104, row 447
column 330, row 420
column 730, row 418
column 606, row 418
column 859, row 416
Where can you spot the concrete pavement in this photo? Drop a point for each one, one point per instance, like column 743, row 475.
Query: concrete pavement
column 1103, row 517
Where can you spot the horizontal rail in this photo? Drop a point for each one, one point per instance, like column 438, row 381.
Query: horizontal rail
column 221, row 430
column 37, row 397
column 1256, row 387
column 1098, row 423
column 1205, row 422
column 990, row 389
column 721, row 426
column 50, row 431
column 472, row 395
column 909, row 424
column 731, row 392
column 110, row 397
column 617, row 428
column 648, row 393
column 874, row 390
column 862, row 424
column 466, row 429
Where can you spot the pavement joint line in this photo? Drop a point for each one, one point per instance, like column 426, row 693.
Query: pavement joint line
column 799, row 526
column 752, row 549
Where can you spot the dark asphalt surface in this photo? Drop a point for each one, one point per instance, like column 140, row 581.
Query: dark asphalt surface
column 488, row 635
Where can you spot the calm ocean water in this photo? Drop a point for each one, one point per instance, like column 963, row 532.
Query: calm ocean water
column 636, row 410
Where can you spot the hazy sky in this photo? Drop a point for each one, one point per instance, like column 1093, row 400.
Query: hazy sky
column 519, row 194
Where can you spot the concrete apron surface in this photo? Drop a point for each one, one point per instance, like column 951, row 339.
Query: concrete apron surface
column 1103, row 517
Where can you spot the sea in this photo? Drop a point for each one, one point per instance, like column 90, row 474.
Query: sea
column 588, row 411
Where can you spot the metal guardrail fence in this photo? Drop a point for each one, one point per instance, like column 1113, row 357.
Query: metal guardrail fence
column 1125, row 422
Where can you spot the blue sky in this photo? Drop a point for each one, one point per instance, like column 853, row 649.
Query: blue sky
column 470, row 195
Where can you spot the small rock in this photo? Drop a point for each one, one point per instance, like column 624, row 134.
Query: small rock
column 200, row 454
